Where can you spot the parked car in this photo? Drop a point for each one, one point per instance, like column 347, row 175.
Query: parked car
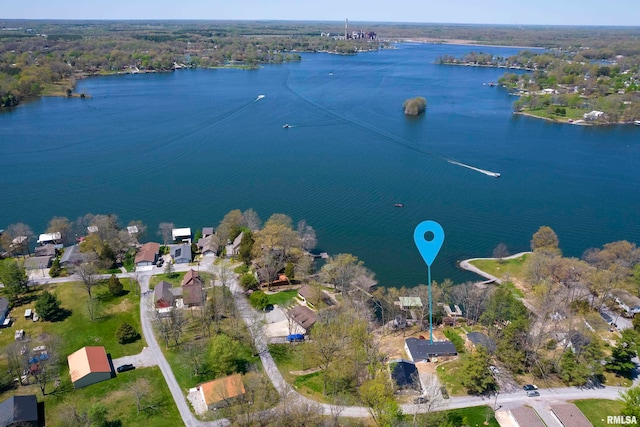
column 295, row 337
column 160, row 262
column 494, row 369
column 443, row 392
column 529, row 387
column 533, row 393
column 419, row 400
column 125, row 368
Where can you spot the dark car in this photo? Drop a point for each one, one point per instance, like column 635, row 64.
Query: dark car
column 419, row 400
column 125, row 368
column 529, row 387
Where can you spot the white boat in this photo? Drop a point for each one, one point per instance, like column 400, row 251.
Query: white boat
column 636, row 122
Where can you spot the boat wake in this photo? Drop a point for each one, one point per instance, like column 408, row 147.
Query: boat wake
column 486, row 172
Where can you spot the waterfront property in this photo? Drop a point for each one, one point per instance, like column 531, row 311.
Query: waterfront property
column 147, row 255
column 421, row 350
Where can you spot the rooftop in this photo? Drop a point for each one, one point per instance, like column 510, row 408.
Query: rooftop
column 88, row 360
column 221, row 389
column 420, row 349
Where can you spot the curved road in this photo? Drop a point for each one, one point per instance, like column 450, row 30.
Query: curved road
column 249, row 315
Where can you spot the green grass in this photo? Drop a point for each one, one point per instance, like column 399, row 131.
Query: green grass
column 512, row 267
column 572, row 113
column 283, row 297
column 456, row 339
column 448, row 373
column 596, row 410
column 77, row 329
column 312, row 382
column 174, row 278
column 119, row 401
column 474, row 416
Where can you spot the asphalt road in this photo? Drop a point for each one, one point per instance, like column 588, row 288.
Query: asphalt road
column 249, row 315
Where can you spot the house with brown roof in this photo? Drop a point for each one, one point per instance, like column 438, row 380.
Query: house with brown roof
column 222, row 392
column 209, row 244
column 89, row 365
column 162, row 295
column 303, row 316
column 148, row 254
column 310, row 295
column 192, row 292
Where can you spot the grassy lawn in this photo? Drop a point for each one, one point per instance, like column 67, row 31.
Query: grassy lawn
column 283, row 297
column 174, row 278
column 116, row 396
column 572, row 113
column 474, row 416
column 290, row 358
column 613, row 380
column 512, row 267
column 77, row 329
column 596, row 410
column 448, row 375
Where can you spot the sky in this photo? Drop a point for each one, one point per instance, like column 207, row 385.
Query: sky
column 513, row 12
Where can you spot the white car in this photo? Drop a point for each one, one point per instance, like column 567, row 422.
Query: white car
column 494, row 369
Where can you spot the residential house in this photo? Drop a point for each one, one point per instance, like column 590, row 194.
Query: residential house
column 420, row 350
column 207, row 231
column 525, row 416
column 89, row 365
column 181, row 254
column 233, row 248
column 222, row 392
column 405, row 374
column 626, row 301
column 71, row 255
column 569, row 415
column 50, row 238
column 192, row 292
column 209, row 244
column 46, row 250
column 162, row 295
column 4, row 310
column 593, row 115
column 181, row 235
column 148, row 254
column 37, row 262
column 20, row 411
column 303, row 316
column 310, row 295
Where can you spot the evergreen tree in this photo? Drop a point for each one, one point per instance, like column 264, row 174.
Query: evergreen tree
column 48, row 306
column 475, row 375
column 115, row 287
column 127, row 333
column 55, row 269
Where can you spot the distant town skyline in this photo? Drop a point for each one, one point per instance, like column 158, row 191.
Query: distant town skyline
column 508, row 12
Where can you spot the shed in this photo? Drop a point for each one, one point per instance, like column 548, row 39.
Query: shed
column 148, row 254
column 89, row 365
column 20, row 411
column 423, row 350
column 222, row 392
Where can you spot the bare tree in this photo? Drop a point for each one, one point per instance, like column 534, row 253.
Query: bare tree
column 252, row 219
column 140, row 390
column 60, row 225
column 177, row 322
column 164, row 230
column 500, row 251
column 87, row 272
column 307, row 235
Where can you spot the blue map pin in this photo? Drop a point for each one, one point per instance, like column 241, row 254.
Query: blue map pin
column 428, row 237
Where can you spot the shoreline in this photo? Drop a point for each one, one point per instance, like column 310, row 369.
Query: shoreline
column 463, row 42
column 465, row 264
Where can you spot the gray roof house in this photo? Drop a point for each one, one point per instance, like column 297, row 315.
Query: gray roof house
column 181, row 254
column 234, row 247
column 303, row 316
column 37, row 262
column 209, row 244
column 20, row 411
column 71, row 255
column 420, row 350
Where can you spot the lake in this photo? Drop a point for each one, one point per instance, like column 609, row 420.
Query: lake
column 189, row 146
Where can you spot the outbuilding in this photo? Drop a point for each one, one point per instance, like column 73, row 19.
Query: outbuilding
column 89, row 365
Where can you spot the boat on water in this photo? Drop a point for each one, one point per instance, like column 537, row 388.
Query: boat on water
column 286, row 126
column 636, row 122
column 398, row 205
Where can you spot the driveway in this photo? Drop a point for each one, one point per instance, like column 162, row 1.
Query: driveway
column 146, row 358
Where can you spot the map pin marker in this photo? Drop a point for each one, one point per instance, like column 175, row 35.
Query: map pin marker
column 428, row 237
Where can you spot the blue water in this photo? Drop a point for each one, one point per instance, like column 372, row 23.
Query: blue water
column 189, row 146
